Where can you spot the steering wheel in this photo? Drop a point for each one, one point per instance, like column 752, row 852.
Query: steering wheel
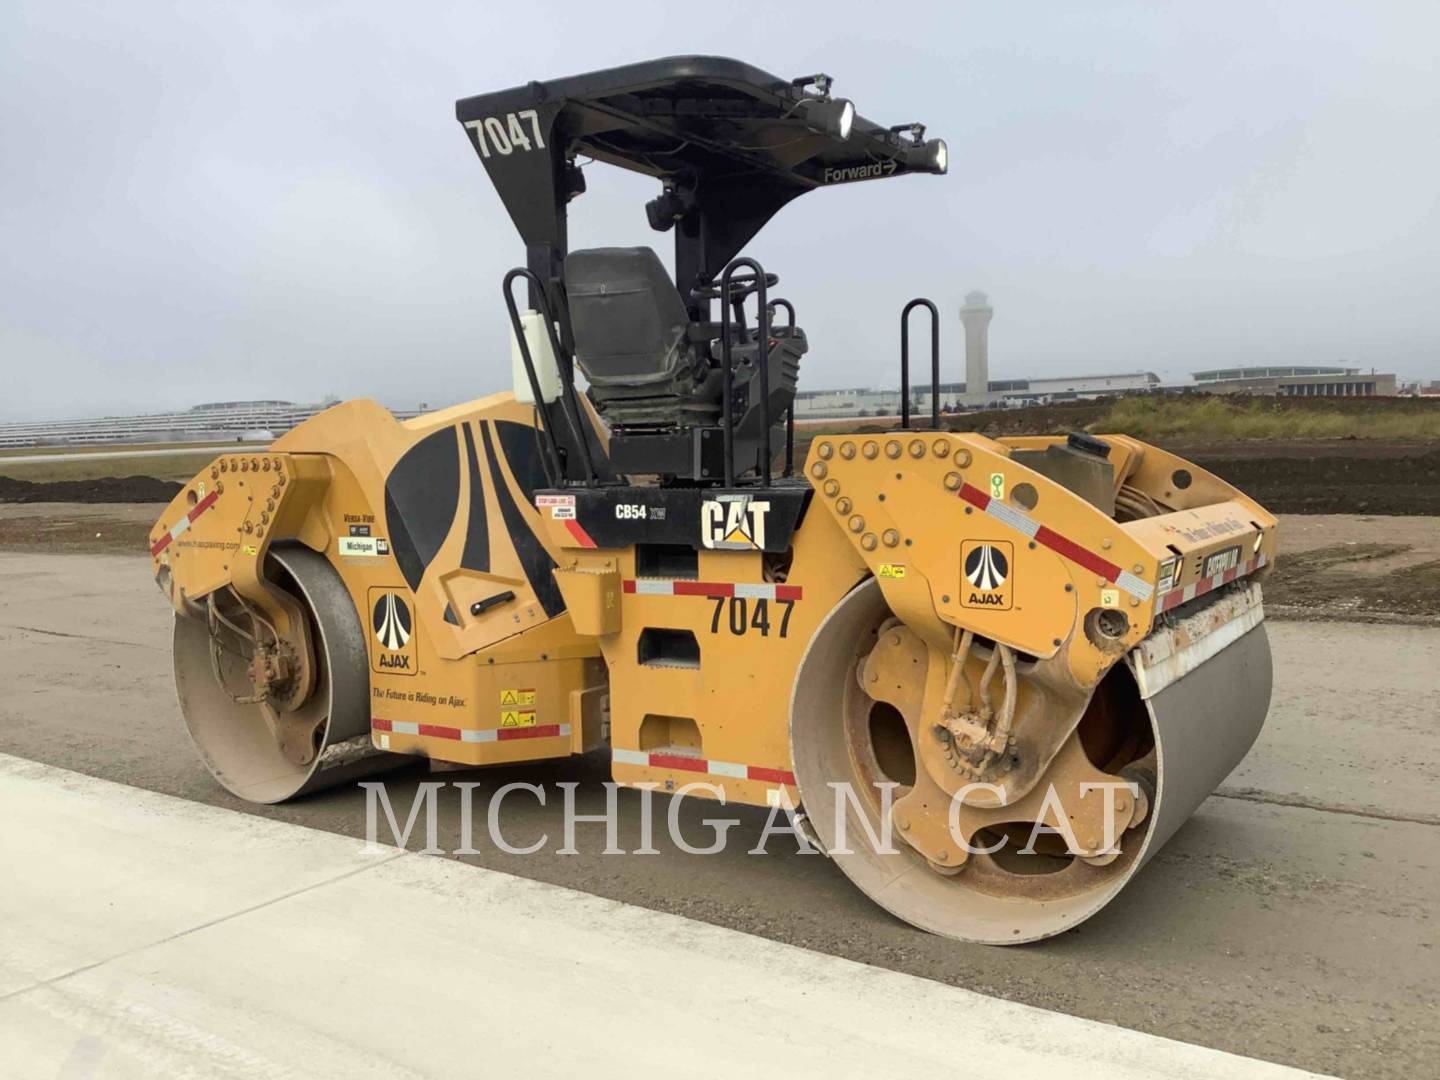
column 741, row 286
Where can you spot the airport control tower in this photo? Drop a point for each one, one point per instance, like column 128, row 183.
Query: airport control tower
column 976, row 315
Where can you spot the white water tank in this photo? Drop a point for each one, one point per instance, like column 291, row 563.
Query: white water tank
column 547, row 368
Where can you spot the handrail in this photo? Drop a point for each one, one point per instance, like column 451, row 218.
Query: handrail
column 790, row 412
column 789, row 310
column 920, row 301
column 762, row 356
column 554, row 472
column 568, row 403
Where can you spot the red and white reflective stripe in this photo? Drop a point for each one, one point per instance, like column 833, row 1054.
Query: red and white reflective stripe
column 470, row 735
column 715, row 590
column 184, row 523
column 1175, row 597
column 686, row 763
column 578, row 533
column 1042, row 534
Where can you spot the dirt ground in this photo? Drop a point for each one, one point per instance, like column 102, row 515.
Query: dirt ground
column 72, row 526
column 1357, row 567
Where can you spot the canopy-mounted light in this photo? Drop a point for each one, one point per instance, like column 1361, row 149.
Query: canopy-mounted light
column 828, row 116
column 670, row 206
column 937, row 156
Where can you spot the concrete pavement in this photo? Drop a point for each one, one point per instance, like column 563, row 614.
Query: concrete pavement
column 1295, row 923
column 143, row 935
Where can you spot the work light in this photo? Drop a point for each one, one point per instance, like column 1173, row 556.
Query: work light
column 833, row 116
column 937, row 156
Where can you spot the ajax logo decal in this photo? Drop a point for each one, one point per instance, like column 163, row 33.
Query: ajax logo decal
column 394, row 627
column 391, row 620
column 986, row 567
column 988, row 581
column 733, row 523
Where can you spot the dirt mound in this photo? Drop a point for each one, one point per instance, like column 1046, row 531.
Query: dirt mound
column 1297, row 480
column 1029, row 419
column 109, row 489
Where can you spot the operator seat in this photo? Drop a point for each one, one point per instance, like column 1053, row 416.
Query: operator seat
column 632, row 341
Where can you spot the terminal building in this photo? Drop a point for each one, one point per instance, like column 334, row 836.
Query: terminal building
column 216, row 421
column 860, row 401
column 1296, row 382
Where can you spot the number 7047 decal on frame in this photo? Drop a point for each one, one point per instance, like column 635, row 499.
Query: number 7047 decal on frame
column 506, row 134
column 741, row 615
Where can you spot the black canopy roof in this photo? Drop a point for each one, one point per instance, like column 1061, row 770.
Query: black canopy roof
column 733, row 143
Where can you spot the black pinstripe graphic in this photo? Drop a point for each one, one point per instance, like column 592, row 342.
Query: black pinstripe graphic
column 534, row 559
column 476, row 555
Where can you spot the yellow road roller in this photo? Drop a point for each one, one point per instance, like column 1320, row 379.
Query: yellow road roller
column 993, row 676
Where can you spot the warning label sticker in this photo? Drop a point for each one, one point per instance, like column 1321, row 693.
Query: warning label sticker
column 1168, row 573
column 513, row 697
column 561, row 507
column 895, row 571
column 517, row 718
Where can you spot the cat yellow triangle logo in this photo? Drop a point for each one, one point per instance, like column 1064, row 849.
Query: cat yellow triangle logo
column 733, row 522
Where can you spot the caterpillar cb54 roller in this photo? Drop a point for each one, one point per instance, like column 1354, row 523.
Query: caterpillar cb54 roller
column 951, row 637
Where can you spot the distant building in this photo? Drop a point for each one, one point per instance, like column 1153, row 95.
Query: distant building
column 1308, row 381
column 1062, row 387
column 860, row 401
column 215, row 421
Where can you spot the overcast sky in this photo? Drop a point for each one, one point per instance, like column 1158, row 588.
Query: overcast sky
column 256, row 200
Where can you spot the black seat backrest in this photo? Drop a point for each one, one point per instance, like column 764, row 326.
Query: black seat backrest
column 627, row 317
